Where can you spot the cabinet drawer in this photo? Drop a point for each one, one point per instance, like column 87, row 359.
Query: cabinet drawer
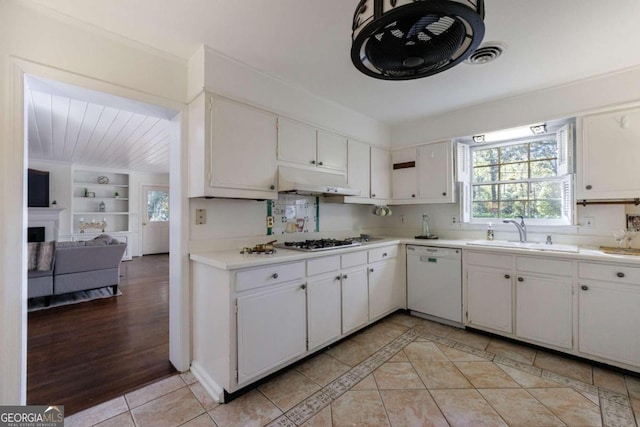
column 609, row 272
column 323, row 265
column 544, row 266
column 353, row 259
column 270, row 275
column 489, row 260
column 382, row 254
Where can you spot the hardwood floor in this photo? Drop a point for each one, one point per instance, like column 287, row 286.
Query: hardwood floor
column 84, row 354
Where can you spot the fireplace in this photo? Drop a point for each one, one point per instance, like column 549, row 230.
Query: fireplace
column 35, row 234
column 47, row 219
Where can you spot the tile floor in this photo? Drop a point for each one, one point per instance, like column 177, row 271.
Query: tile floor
column 402, row 371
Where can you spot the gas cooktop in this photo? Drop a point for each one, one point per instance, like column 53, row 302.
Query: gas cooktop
column 319, row 245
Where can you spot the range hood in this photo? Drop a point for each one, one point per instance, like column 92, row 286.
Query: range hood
column 311, row 182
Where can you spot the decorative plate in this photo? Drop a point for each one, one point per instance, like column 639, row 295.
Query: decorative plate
column 103, row 180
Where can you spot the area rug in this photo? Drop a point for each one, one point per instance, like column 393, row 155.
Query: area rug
column 36, row 304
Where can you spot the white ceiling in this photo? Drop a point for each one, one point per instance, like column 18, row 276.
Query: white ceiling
column 307, row 42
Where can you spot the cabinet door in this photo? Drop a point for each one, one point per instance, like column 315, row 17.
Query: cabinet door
column 489, row 298
column 608, row 321
column 404, row 179
column 355, row 299
column 358, row 167
column 296, row 142
column 610, row 153
column 323, row 310
column 385, row 294
column 380, row 174
column 435, row 172
column 243, row 141
column 332, row 151
column 271, row 329
column 544, row 310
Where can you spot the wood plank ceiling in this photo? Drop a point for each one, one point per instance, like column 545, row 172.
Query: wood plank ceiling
column 82, row 132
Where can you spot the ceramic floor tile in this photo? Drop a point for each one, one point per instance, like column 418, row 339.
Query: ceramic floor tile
column 170, row 410
column 389, row 329
column 322, row 369
column 349, row 352
column 188, row 377
column 98, row 413
column 527, row 380
column 518, row 408
column 122, row 420
column 251, row 409
column 368, row 383
column 436, row 375
column 456, row 355
column 359, row 408
column 486, row 375
column 615, row 414
column 609, row 380
column 594, row 398
column 570, row 406
column 203, row 420
column 513, row 351
column 635, row 406
column 470, row 338
column 564, row 366
column 414, row 408
column 403, row 319
column 464, row 408
column 153, row 391
column 399, row 357
column 434, row 328
column 203, row 397
column 633, row 386
column 288, row 389
column 424, row 350
column 372, row 340
column 397, row 376
column 321, row 419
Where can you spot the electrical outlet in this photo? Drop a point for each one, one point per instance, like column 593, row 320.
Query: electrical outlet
column 588, row 222
column 201, row 216
column 454, row 219
column 270, row 222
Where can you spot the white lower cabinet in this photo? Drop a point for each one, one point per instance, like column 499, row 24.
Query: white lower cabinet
column 544, row 310
column 323, row 310
column 355, row 299
column 385, row 292
column 609, row 314
column 489, row 298
column 271, row 329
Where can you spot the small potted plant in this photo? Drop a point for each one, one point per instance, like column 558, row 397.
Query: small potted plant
column 116, row 194
column 86, row 192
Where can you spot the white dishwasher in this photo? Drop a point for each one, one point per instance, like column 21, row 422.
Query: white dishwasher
column 434, row 282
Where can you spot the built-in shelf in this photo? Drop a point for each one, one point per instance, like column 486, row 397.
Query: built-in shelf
column 101, row 198
column 96, row 212
column 117, row 207
column 95, row 184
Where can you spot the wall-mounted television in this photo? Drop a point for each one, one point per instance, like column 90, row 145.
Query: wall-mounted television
column 38, row 185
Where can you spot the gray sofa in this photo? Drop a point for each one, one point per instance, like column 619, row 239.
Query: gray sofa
column 76, row 266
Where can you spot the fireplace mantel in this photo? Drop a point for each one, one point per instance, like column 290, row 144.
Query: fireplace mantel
column 49, row 218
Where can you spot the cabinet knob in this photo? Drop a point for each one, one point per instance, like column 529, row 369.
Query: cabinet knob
column 338, row 277
column 274, row 275
column 373, row 195
column 520, row 279
column 584, row 287
column 413, row 195
column 313, row 162
column 272, row 187
column 444, row 194
column 344, row 276
column 588, row 187
column 620, row 274
column 320, row 163
column 304, row 286
column 507, row 276
column 384, row 254
column 371, row 270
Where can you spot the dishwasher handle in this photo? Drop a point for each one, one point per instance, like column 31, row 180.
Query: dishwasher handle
column 428, row 258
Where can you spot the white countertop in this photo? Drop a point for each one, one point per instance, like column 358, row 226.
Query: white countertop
column 233, row 259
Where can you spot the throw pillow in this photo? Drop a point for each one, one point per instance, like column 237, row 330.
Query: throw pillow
column 33, row 255
column 107, row 239
column 45, row 256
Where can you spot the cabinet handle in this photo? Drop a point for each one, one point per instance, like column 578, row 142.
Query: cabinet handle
column 520, row 279
column 413, row 195
column 320, row 163
column 344, row 276
column 373, row 195
column 584, row 287
column 338, row 277
column 588, row 187
column 272, row 187
column 507, row 276
column 313, row 162
column 444, row 194
column 274, row 275
column 384, row 254
column 371, row 270
column 620, row 274
column 304, row 286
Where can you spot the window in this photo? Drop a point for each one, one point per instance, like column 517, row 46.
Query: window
column 157, row 205
column 529, row 178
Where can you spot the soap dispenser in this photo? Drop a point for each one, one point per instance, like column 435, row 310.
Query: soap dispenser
column 490, row 234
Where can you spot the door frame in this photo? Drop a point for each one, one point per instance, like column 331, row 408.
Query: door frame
column 13, row 264
column 143, row 211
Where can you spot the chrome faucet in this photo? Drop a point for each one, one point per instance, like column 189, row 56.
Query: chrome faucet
column 522, row 227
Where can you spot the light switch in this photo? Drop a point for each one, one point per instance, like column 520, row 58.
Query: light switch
column 201, row 216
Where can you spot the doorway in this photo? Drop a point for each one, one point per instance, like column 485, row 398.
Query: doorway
column 155, row 221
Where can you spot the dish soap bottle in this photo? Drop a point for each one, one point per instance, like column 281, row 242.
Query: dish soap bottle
column 490, row 234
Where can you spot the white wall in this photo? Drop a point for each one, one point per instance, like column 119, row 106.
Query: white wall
column 60, row 177
column 32, row 40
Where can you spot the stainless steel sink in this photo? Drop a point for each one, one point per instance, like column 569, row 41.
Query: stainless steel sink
column 536, row 246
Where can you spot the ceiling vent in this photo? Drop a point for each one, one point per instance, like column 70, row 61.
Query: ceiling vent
column 486, row 53
column 411, row 39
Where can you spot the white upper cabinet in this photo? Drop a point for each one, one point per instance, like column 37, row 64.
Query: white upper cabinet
column 404, row 176
column 359, row 168
column 305, row 145
column 232, row 149
column 609, row 155
column 380, row 174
